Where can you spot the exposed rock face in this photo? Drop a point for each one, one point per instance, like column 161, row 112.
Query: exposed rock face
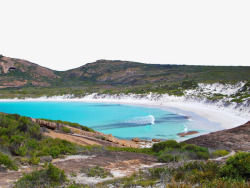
column 109, row 138
column 6, row 65
column 237, row 138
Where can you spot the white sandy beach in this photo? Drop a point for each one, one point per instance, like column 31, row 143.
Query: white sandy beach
column 227, row 118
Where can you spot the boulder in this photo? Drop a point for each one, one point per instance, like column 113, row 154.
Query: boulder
column 156, row 140
column 136, row 139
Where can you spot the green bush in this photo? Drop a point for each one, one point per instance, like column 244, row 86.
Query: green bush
column 220, row 153
column 197, row 172
column 168, row 158
column 51, row 176
column 55, row 151
column 66, row 130
column 21, row 137
column 7, row 162
column 133, row 150
column 34, row 160
column 173, row 151
column 22, row 151
column 237, row 167
column 166, row 144
column 201, row 155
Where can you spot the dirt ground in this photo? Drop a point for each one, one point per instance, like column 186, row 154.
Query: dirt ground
column 119, row 163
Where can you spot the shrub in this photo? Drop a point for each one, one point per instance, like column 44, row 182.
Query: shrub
column 24, row 123
column 34, row 160
column 168, row 158
column 166, row 144
column 220, row 153
column 133, row 150
column 22, row 151
column 7, row 162
column 66, row 130
column 49, row 177
column 201, row 155
column 178, row 151
column 197, row 172
column 55, row 151
column 237, row 167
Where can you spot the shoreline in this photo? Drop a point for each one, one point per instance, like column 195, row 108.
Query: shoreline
column 226, row 119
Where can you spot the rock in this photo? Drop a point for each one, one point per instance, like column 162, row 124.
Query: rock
column 136, row 139
column 156, row 140
column 46, row 159
column 111, row 138
column 187, row 133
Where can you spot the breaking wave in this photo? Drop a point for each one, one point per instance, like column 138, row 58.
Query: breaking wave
column 144, row 120
column 185, row 129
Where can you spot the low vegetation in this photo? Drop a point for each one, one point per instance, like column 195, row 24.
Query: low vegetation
column 170, row 151
column 96, row 172
column 7, row 162
column 20, row 137
column 22, row 142
column 196, row 173
column 220, row 153
column 51, row 176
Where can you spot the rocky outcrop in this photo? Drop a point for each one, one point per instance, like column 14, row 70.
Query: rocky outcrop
column 187, row 133
column 236, row 139
column 136, row 139
column 75, row 131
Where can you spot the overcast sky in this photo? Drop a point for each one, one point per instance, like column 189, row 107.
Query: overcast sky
column 62, row 34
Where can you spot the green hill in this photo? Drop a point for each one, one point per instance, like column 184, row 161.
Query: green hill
column 106, row 76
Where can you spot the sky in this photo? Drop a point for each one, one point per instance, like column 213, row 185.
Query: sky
column 65, row 34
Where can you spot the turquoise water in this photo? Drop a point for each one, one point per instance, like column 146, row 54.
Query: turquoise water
column 123, row 121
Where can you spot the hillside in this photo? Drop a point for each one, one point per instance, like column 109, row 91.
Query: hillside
column 30, row 157
column 114, row 74
column 20, row 73
column 237, row 138
column 132, row 73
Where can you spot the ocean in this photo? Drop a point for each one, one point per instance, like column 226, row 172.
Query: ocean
column 122, row 121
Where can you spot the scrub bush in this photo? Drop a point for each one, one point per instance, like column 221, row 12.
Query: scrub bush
column 51, row 176
column 220, row 153
column 6, row 161
column 237, row 167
